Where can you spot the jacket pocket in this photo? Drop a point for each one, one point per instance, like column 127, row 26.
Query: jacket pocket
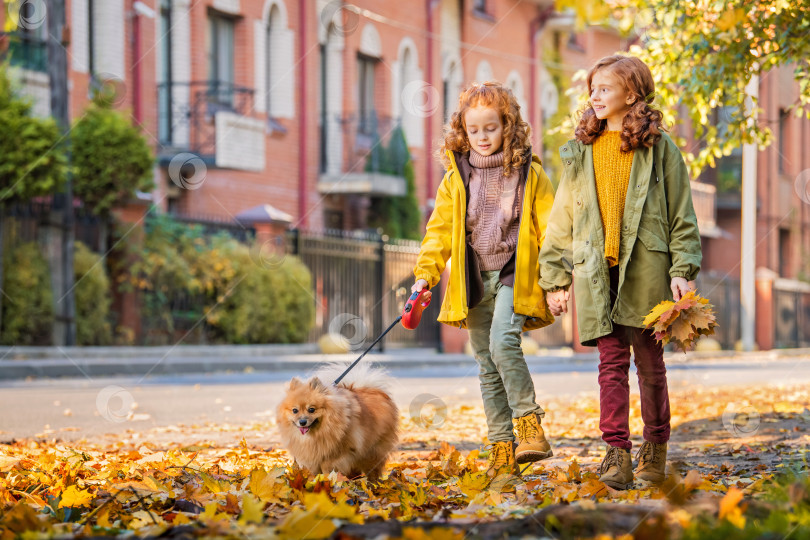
column 652, row 234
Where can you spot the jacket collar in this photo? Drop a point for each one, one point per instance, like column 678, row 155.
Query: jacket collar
column 460, row 162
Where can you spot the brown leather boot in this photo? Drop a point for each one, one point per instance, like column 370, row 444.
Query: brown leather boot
column 652, row 462
column 502, row 459
column 617, row 468
column 532, row 443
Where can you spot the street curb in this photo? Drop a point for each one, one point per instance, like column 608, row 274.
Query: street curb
column 292, row 364
column 90, row 362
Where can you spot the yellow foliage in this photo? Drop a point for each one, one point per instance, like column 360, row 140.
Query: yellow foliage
column 74, row 496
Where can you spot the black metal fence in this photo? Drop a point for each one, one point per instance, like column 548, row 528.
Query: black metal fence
column 24, row 223
column 792, row 314
column 724, row 294
column 360, row 284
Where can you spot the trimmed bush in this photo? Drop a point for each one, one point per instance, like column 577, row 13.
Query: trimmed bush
column 92, row 297
column 190, row 278
column 28, row 302
column 272, row 304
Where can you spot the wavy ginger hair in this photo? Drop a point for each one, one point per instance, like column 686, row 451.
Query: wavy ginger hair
column 642, row 125
column 516, row 145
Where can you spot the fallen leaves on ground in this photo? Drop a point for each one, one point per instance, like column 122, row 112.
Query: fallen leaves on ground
column 721, row 468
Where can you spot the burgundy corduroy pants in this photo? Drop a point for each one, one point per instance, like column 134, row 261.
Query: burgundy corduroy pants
column 614, row 387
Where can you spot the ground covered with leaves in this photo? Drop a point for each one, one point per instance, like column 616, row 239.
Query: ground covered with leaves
column 737, row 462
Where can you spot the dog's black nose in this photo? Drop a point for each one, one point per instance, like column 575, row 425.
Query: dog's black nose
column 302, row 422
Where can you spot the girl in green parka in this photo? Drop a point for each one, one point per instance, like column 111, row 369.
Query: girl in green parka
column 623, row 226
column 490, row 218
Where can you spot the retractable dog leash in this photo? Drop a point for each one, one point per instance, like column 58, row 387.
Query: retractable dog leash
column 411, row 315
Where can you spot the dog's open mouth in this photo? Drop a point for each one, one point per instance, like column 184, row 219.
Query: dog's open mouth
column 305, row 429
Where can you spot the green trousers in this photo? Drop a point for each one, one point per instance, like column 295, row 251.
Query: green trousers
column 495, row 335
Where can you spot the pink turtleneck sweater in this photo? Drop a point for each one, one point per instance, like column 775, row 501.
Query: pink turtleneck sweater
column 493, row 211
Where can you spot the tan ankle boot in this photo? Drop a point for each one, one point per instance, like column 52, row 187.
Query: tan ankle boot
column 652, row 462
column 502, row 459
column 532, row 443
column 617, row 468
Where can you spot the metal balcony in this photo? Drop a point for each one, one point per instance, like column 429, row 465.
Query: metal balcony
column 212, row 119
column 362, row 155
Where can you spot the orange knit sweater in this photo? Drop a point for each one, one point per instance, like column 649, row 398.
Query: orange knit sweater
column 611, row 168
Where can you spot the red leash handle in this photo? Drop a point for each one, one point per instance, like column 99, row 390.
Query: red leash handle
column 412, row 313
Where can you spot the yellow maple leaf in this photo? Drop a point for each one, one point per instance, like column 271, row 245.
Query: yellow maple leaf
column 268, row 486
column 681, row 331
column 730, row 508
column 379, row 512
column 656, row 312
column 692, row 480
column 181, row 519
column 593, row 488
column 216, row 486
column 413, row 496
column 574, row 472
column 471, row 484
column 322, row 505
column 103, row 518
column 74, row 496
column 317, row 520
column 252, row 509
column 434, row 533
column 304, row 525
column 683, row 321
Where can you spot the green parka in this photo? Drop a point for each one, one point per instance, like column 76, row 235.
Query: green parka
column 659, row 238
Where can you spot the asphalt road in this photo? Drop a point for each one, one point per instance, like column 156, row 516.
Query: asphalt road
column 73, row 409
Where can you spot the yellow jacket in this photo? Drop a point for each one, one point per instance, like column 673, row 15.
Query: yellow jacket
column 445, row 238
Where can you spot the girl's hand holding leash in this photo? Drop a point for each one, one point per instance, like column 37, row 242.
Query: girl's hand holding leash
column 419, row 285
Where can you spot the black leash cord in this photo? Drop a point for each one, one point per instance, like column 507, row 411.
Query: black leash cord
column 348, row 369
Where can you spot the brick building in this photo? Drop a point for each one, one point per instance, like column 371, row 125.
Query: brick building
column 280, row 104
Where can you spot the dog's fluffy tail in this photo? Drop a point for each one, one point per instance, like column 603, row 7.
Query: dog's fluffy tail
column 361, row 375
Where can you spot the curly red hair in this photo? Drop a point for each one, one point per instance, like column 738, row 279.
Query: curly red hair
column 642, row 125
column 516, row 132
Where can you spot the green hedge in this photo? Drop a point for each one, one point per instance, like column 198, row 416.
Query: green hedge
column 218, row 289
column 28, row 308
column 93, row 298
column 27, row 301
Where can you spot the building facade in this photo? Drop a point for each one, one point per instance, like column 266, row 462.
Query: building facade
column 285, row 104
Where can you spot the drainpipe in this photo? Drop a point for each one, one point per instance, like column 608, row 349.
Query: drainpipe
column 429, row 165
column 748, row 257
column 302, row 116
column 535, row 26
column 138, row 8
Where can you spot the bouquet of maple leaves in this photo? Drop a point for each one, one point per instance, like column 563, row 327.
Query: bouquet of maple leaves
column 682, row 322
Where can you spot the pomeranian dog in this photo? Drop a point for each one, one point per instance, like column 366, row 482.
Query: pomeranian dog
column 350, row 428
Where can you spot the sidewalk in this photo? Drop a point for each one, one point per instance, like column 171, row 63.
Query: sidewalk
column 57, row 362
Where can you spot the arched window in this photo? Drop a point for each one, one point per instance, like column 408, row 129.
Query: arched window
column 484, row 72
column 453, row 80
column 413, row 97
column 275, row 71
column 515, row 83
